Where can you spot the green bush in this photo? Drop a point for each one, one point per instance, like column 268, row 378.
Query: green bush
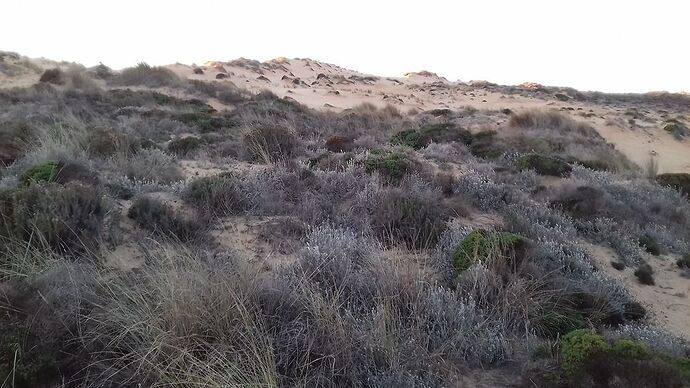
column 184, row 145
column 650, row 245
column 45, row 172
column 484, row 246
column 631, row 349
column 577, row 346
column 684, row 262
column 216, row 194
column 544, row 165
column 393, row 165
column 678, row 181
column 67, row 218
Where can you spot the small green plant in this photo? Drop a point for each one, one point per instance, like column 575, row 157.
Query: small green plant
column 650, row 245
column 483, row 246
column 544, row 165
column 184, row 145
column 631, row 349
column 45, row 172
column 684, row 262
column 577, row 346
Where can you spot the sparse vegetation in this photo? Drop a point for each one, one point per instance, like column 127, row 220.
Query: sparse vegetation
column 149, row 239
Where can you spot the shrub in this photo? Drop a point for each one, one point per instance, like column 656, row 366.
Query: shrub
column 684, row 262
column 339, row 144
column 39, row 173
column 16, row 135
column 650, row 245
column 483, row 144
column 67, row 218
column 645, row 274
column 270, row 144
column 145, row 75
column 678, row 181
column 390, row 164
column 184, row 145
column 415, row 220
column 485, row 247
column 219, row 194
column 53, row 76
column 676, row 128
column 578, row 346
column 439, row 133
column 551, row 120
column 159, row 218
column 104, row 142
column 544, row 165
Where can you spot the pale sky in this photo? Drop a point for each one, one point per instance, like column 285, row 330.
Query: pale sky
column 612, row 46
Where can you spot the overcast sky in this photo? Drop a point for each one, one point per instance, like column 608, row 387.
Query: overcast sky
column 613, row 46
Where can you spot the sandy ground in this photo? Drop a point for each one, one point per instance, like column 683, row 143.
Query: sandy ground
column 668, row 300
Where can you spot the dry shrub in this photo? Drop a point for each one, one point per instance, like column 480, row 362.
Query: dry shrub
column 218, row 195
column 552, row 120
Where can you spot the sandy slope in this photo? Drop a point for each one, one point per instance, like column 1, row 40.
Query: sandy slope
column 325, row 86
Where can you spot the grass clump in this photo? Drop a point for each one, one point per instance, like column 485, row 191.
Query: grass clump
column 219, row 194
column 577, row 346
column 484, row 246
column 678, row 181
column 45, row 172
column 544, row 165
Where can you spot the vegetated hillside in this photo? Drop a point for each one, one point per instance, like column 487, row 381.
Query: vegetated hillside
column 163, row 231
